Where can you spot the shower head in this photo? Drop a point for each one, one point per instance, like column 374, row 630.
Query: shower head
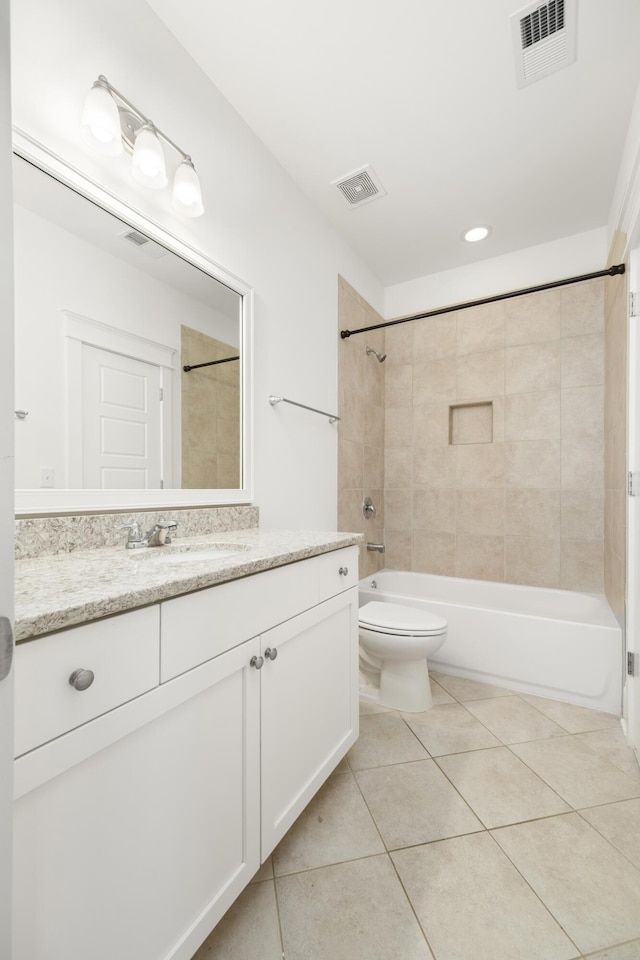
column 380, row 357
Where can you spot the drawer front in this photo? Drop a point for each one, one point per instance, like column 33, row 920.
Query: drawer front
column 336, row 571
column 202, row 625
column 122, row 652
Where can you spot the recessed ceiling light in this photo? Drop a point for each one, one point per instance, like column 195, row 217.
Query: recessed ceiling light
column 473, row 234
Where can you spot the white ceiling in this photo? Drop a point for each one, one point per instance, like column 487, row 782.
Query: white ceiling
column 426, row 93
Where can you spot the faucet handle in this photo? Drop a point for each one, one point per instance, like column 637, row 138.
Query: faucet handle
column 162, row 529
column 134, row 531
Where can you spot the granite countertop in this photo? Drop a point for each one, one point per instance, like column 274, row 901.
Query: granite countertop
column 63, row 590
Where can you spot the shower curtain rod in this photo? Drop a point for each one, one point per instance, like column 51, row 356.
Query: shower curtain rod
column 211, row 363
column 610, row 272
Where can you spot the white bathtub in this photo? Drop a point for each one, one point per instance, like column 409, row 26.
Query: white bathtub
column 553, row 643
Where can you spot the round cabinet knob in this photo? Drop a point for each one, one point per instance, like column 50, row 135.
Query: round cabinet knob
column 81, row 679
column 343, row 571
column 256, row 662
column 271, row 653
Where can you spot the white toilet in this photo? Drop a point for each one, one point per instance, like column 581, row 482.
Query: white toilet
column 395, row 642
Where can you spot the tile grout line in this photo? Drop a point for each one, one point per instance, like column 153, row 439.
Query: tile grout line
column 599, row 832
column 278, row 914
column 390, row 858
column 533, row 890
column 505, row 826
column 488, row 832
column 531, row 770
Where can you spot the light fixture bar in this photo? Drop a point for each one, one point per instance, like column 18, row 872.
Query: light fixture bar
column 141, row 116
column 110, row 121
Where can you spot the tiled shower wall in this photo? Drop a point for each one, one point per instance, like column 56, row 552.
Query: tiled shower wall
column 210, row 414
column 525, row 503
column 361, row 428
column 493, row 437
column 615, row 419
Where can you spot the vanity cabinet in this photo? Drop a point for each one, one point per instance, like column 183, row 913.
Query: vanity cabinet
column 137, row 829
column 308, row 718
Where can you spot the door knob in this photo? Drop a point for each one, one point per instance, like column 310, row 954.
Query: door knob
column 256, row 662
column 343, row 571
column 271, row 653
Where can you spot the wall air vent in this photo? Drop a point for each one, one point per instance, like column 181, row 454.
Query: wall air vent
column 360, row 186
column 544, row 39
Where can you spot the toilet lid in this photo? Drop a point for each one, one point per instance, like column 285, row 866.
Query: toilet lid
column 395, row 618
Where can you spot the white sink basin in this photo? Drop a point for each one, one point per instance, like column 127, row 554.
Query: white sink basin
column 189, row 552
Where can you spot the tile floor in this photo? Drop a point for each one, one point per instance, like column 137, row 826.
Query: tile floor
column 495, row 826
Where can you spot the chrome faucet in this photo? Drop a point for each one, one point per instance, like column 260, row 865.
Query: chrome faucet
column 376, row 547
column 156, row 537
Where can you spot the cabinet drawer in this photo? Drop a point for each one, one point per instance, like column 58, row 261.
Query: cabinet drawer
column 199, row 626
column 331, row 567
column 122, row 652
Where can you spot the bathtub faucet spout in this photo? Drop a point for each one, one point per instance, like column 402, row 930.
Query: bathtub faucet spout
column 376, row 547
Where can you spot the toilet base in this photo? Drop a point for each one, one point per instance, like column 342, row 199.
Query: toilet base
column 404, row 685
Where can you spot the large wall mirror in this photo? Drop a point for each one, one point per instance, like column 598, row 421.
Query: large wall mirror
column 132, row 355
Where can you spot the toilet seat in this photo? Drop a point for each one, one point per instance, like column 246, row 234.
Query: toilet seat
column 396, row 620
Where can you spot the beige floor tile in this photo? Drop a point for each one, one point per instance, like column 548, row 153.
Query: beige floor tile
column 512, row 720
column 343, row 766
column 474, row 905
column 439, row 694
column 611, row 743
column 582, row 777
column 249, row 930
column 384, row 738
column 335, row 826
column 348, row 911
column 414, row 803
column 620, row 824
column 574, row 719
column 626, row 951
column 589, row 887
column 449, row 728
column 368, row 707
column 499, row 788
column 463, row 689
column 264, row 873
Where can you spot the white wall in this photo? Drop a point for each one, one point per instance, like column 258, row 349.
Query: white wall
column 55, row 271
column 571, row 256
column 625, row 207
column 258, row 225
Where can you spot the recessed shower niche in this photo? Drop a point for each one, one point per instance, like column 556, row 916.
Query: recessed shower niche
column 471, row 422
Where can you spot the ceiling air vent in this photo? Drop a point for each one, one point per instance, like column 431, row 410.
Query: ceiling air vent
column 149, row 247
column 137, row 239
column 544, row 37
column 359, row 186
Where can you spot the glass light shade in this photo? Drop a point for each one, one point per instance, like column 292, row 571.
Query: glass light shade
column 147, row 164
column 187, row 195
column 101, row 121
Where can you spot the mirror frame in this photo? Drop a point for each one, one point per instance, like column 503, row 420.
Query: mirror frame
column 47, row 501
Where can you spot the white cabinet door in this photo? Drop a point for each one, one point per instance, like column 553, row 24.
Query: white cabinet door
column 137, row 851
column 309, row 708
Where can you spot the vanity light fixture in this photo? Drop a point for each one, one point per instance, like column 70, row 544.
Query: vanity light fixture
column 473, row 234
column 111, row 124
column 147, row 163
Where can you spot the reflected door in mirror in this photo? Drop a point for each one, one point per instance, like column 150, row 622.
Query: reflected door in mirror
column 85, row 279
column 121, row 422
